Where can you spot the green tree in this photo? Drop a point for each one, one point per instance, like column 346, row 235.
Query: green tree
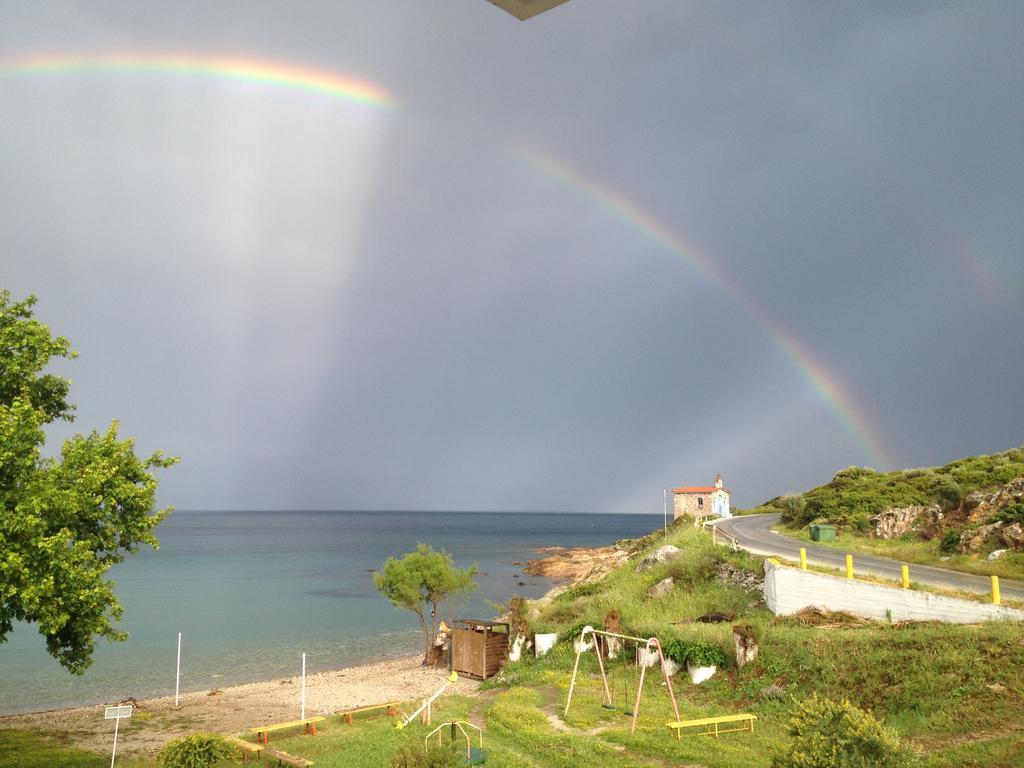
column 64, row 521
column 197, row 750
column 421, row 582
column 830, row 734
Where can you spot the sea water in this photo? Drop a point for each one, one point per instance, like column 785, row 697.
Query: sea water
column 250, row 592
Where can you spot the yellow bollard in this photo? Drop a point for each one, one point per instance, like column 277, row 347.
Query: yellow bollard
column 803, row 558
column 849, row 566
column 995, row 591
column 906, row 577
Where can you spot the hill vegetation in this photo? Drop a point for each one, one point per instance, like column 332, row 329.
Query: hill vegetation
column 856, row 494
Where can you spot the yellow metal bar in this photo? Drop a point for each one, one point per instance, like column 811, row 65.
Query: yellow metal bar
column 995, row 591
column 906, row 577
column 849, row 566
column 803, row 558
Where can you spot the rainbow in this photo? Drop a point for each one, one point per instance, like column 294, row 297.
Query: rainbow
column 266, row 72
column 825, row 385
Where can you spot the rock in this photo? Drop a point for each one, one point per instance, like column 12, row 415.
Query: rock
column 662, row 588
column 996, row 688
column 1012, row 536
column 893, row 523
column 975, row 539
column 662, row 554
column 738, row 577
column 995, row 555
column 981, row 506
column 578, row 565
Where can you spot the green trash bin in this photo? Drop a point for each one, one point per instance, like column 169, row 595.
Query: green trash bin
column 823, row 533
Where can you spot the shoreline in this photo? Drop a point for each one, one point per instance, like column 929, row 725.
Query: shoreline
column 235, row 708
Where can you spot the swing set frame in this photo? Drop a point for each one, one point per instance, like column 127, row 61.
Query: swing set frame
column 649, row 642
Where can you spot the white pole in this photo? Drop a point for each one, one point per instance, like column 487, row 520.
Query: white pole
column 117, row 722
column 303, row 715
column 664, row 507
column 177, row 673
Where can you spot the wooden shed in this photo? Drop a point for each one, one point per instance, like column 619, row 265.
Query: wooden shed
column 478, row 648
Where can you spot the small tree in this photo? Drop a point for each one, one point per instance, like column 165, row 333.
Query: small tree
column 421, row 582
column 197, row 750
column 829, row 734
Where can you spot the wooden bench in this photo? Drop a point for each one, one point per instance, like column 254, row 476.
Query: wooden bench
column 262, row 731
column 283, row 758
column 710, row 725
column 390, row 707
column 247, row 747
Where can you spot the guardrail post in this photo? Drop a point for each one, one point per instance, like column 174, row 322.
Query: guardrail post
column 803, row 558
column 995, row 591
column 849, row 566
column 906, row 577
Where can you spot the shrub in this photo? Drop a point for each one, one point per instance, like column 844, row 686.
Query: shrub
column 828, row 734
column 950, row 543
column 1012, row 513
column 197, row 750
column 416, row 755
column 696, row 654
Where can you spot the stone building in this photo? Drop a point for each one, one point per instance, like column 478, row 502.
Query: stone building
column 701, row 501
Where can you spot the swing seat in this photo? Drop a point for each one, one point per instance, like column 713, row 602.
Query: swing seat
column 477, row 756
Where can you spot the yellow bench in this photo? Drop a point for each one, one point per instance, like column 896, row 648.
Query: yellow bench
column 283, row 758
column 262, row 731
column 710, row 725
column 391, row 708
column 247, row 747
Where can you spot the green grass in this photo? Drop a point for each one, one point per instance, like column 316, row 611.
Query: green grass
column 954, row 692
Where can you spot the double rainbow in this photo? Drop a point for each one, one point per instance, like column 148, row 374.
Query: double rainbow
column 827, row 387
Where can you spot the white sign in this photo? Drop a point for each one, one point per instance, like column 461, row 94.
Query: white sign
column 115, row 713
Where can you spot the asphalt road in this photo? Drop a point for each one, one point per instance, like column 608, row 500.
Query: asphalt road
column 754, row 533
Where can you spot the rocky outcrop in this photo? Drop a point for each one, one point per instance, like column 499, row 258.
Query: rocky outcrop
column 662, row 554
column 894, row 523
column 982, row 506
column 577, row 565
column 976, row 539
column 1012, row 535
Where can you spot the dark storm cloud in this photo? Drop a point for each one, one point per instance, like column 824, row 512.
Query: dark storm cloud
column 324, row 305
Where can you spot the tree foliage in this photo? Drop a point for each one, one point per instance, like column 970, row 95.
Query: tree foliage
column 829, row 734
column 64, row 521
column 197, row 750
column 421, row 582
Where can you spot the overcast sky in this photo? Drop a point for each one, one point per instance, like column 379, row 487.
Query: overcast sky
column 615, row 248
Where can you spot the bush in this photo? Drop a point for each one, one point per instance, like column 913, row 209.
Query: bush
column 197, row 750
column 827, row 734
column 416, row 755
column 1012, row 513
column 696, row 654
column 950, row 543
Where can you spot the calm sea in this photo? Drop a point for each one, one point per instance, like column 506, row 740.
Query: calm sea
column 251, row 591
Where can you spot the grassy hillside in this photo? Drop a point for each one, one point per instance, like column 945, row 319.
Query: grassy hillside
column 956, row 693
column 857, row 493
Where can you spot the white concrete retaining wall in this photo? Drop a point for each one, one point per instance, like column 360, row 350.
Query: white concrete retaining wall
column 788, row 590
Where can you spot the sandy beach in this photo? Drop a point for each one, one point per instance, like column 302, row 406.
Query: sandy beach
column 237, row 708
